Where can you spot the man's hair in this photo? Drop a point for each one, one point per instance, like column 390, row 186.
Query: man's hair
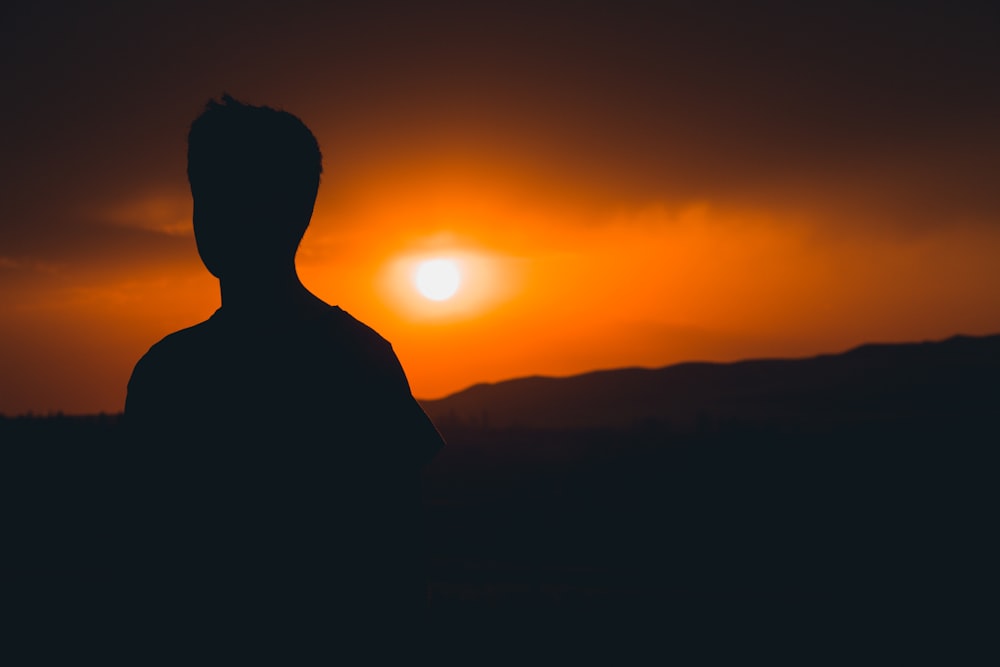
column 254, row 160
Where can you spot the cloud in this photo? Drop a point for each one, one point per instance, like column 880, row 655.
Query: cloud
column 26, row 264
column 167, row 214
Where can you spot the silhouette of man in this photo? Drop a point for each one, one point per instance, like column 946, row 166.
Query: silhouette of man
column 280, row 443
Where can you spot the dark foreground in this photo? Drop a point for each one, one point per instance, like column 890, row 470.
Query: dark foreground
column 854, row 528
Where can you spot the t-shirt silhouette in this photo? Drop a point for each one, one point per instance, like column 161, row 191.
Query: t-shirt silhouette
column 279, row 458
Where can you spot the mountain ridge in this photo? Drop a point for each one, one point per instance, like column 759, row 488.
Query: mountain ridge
column 869, row 381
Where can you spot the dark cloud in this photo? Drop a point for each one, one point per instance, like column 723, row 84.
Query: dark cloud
column 755, row 101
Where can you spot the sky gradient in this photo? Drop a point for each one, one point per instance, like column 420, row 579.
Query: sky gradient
column 622, row 185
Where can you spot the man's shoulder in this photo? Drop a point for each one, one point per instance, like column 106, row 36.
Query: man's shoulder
column 181, row 341
column 332, row 325
column 354, row 329
column 358, row 346
column 162, row 373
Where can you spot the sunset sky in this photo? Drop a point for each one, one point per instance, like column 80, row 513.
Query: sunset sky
column 618, row 185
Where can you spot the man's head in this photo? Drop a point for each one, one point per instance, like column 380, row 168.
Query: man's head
column 254, row 173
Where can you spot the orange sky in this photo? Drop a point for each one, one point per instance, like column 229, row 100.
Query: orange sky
column 631, row 215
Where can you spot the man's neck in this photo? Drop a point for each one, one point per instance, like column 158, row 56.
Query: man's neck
column 284, row 294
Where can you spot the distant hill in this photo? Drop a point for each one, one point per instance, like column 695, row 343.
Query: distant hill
column 954, row 379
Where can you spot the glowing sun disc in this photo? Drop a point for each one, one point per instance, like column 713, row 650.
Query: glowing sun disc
column 437, row 279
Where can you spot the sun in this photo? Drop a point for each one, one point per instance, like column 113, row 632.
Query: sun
column 448, row 283
column 437, row 279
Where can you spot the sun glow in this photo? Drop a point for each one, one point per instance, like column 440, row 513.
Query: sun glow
column 437, row 279
column 447, row 284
